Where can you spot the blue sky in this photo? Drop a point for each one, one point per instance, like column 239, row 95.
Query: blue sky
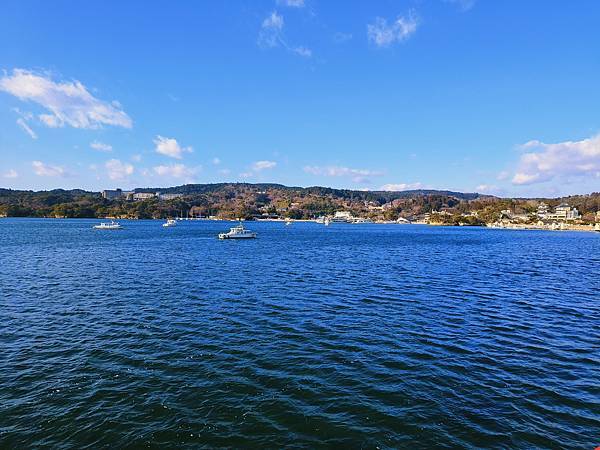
column 471, row 95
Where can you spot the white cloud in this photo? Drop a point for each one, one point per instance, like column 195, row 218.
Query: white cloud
column 170, row 147
column 544, row 162
column 401, row 186
column 291, row 3
column 255, row 168
column 51, row 121
column 118, row 170
column 175, row 171
column 303, row 51
column 383, row 34
column 46, row 170
column 69, row 102
column 137, row 157
column 270, row 31
column 271, row 36
column 11, row 173
column 357, row 175
column 101, row 147
column 224, row 171
column 262, row 165
column 216, row 161
column 21, row 122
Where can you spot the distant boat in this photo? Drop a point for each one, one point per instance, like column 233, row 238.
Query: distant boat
column 170, row 223
column 327, row 221
column 597, row 227
column 288, row 222
column 112, row 225
column 238, row 232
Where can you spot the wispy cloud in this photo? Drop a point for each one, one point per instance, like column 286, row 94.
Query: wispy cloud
column 11, row 173
column 257, row 167
column 544, row 162
column 21, row 122
column 303, row 51
column 263, row 165
column 101, row 147
column 271, row 36
column 291, row 3
column 357, row 175
column 384, row 34
column 47, row 170
column 69, row 102
column 170, row 147
column 463, row 5
column 175, row 171
column 216, row 161
column 401, row 186
column 270, row 31
column 488, row 189
column 118, row 170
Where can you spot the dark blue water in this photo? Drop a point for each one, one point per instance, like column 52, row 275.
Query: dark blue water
column 348, row 336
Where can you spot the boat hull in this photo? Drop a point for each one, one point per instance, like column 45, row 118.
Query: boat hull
column 227, row 236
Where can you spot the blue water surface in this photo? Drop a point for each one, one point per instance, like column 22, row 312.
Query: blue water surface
column 348, row 336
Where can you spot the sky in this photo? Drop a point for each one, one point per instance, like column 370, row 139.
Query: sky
column 496, row 97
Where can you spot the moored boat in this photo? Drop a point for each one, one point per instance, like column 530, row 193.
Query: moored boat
column 112, row 225
column 170, row 223
column 238, row 232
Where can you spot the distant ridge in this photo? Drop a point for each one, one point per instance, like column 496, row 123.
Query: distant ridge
column 187, row 189
column 252, row 200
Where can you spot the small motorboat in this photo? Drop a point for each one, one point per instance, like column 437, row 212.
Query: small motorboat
column 288, row 222
column 112, row 225
column 327, row 221
column 170, row 223
column 238, row 232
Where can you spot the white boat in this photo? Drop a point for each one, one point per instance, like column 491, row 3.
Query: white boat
column 288, row 222
column 112, row 225
column 342, row 217
column 597, row 227
column 238, row 232
column 170, row 223
column 320, row 219
column 327, row 221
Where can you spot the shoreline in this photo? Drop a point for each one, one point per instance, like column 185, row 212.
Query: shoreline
column 519, row 227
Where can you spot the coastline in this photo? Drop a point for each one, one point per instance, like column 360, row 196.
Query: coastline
column 594, row 228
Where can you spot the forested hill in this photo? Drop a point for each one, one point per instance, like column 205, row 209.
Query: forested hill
column 229, row 200
column 190, row 189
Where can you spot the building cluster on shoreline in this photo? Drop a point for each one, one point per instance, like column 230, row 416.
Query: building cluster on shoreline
column 119, row 194
column 564, row 217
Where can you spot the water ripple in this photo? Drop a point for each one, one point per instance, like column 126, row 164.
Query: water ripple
column 365, row 336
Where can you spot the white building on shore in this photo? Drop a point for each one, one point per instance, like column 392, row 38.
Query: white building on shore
column 563, row 212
